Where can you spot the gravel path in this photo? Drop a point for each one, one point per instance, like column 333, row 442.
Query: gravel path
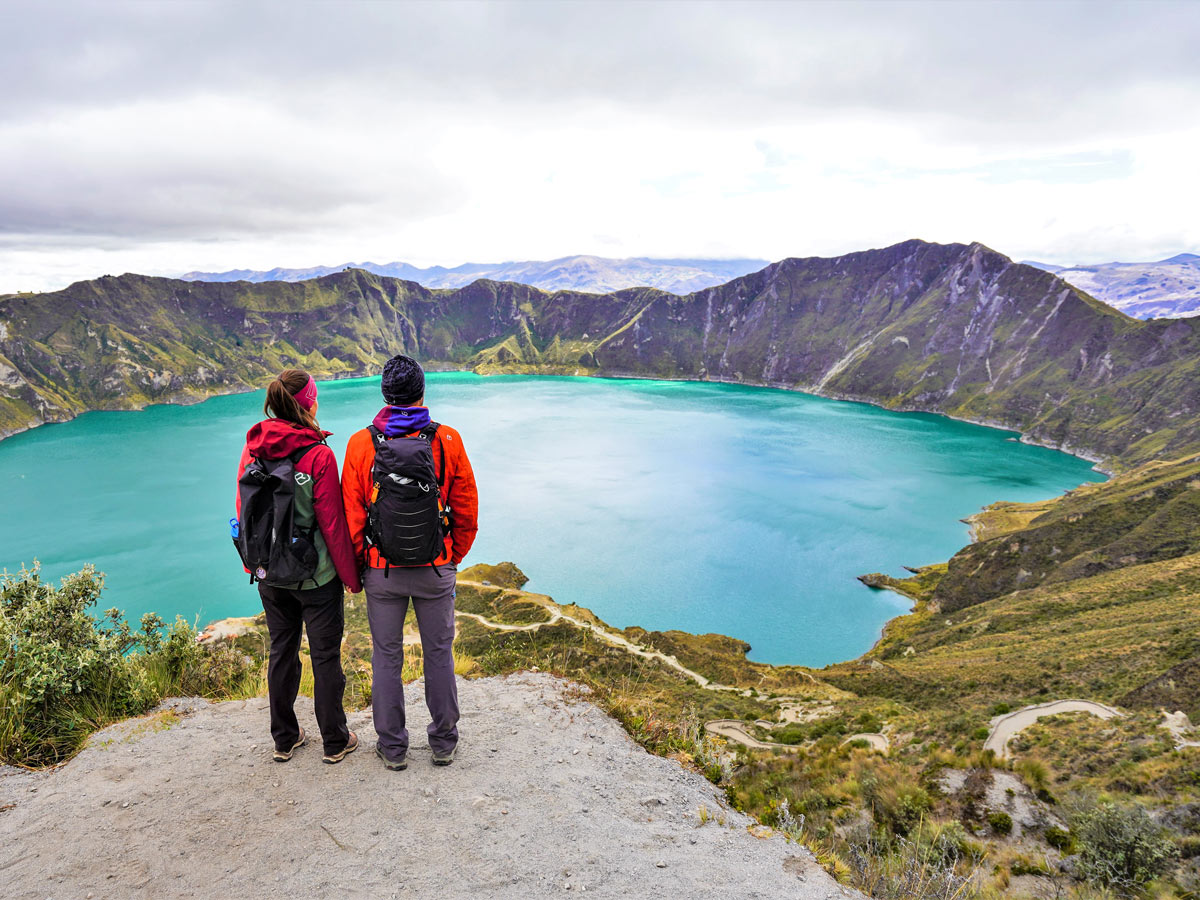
column 548, row 794
column 736, row 730
column 1006, row 727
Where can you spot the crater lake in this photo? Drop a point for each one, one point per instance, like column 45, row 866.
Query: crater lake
column 670, row 505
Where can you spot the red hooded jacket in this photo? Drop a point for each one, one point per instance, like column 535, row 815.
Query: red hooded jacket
column 275, row 439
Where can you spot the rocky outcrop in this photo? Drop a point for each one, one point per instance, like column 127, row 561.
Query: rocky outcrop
column 548, row 794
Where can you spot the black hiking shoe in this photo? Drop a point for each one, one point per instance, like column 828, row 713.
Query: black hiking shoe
column 396, row 765
column 351, row 746
column 285, row 755
column 444, row 758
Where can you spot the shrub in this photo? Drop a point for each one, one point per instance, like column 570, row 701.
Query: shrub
column 904, row 870
column 64, row 673
column 1060, row 839
column 867, row 722
column 1120, row 845
column 1001, row 822
column 941, row 844
column 897, row 803
column 1036, row 776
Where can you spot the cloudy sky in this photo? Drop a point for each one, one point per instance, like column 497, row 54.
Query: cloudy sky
column 169, row 136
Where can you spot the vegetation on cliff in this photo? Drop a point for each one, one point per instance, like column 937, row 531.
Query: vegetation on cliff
column 64, row 673
column 957, row 329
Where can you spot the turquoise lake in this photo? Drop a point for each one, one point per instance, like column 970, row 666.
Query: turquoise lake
column 701, row 507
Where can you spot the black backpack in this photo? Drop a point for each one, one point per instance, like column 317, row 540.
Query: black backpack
column 406, row 523
column 272, row 548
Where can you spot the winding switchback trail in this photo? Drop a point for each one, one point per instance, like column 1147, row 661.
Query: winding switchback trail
column 1006, row 727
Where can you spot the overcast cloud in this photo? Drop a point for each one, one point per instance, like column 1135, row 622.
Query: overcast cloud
column 169, row 136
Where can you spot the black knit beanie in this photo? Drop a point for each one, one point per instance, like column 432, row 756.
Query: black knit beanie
column 403, row 381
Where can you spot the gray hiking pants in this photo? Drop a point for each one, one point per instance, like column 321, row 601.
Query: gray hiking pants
column 432, row 596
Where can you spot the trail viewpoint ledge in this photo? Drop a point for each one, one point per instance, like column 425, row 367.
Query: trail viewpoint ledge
column 548, row 795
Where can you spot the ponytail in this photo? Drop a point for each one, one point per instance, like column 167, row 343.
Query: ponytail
column 281, row 400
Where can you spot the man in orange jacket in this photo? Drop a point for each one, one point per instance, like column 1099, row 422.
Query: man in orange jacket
column 430, row 587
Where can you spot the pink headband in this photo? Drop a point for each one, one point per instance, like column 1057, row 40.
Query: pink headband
column 307, row 397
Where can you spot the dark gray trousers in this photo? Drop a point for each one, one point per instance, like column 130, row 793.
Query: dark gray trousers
column 320, row 611
column 432, row 596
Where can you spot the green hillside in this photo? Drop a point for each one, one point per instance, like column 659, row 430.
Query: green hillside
column 951, row 328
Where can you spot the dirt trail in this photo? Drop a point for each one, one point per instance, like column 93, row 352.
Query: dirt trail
column 727, row 728
column 548, row 792
column 617, row 640
column 1006, row 727
column 736, row 730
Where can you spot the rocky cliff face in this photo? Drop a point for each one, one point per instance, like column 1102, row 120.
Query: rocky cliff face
column 951, row 328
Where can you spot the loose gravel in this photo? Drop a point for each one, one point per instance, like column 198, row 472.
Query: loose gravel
column 548, row 795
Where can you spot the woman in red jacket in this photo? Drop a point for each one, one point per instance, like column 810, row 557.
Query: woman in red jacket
column 290, row 430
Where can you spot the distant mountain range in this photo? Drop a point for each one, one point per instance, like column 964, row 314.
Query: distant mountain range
column 592, row 274
column 1169, row 288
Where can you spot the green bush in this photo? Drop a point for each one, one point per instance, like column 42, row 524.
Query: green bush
column 1001, row 822
column 1060, row 839
column 1120, row 845
column 64, row 672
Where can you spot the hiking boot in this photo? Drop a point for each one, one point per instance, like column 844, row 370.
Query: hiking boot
column 285, row 755
column 351, row 746
column 444, row 757
column 396, row 765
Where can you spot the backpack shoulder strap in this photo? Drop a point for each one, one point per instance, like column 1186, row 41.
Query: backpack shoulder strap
column 429, row 432
column 296, row 455
column 377, row 436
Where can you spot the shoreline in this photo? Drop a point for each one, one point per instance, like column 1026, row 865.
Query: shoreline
column 436, row 367
column 1099, row 463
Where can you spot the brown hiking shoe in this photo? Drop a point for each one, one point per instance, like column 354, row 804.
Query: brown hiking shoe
column 351, row 746
column 285, row 755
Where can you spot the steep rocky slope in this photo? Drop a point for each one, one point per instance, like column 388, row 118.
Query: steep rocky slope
column 946, row 328
column 548, row 795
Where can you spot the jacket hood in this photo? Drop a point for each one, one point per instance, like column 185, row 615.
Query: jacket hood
column 276, row 438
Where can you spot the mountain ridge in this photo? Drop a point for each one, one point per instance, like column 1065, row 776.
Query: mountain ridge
column 947, row 328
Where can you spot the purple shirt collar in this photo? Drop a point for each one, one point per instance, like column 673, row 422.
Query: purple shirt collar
column 394, row 421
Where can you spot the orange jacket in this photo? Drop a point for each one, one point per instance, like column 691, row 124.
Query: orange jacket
column 458, row 492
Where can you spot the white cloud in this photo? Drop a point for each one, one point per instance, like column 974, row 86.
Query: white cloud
column 163, row 138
